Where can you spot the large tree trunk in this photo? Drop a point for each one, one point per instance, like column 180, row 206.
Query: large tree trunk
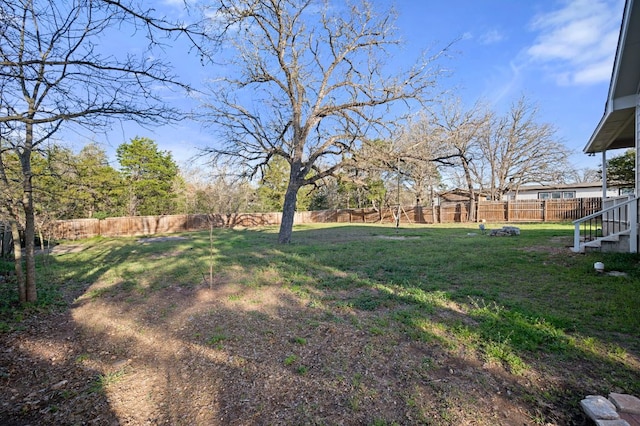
column 288, row 212
column 434, row 218
column 29, row 216
column 472, row 192
column 29, row 245
column 17, row 256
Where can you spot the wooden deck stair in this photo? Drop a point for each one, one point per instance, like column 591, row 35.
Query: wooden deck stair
column 609, row 243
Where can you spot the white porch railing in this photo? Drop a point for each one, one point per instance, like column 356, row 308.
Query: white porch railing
column 621, row 217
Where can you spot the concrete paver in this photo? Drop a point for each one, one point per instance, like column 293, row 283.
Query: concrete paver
column 625, row 403
column 618, row 410
column 632, row 419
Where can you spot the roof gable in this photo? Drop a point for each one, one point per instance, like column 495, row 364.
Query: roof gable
column 617, row 127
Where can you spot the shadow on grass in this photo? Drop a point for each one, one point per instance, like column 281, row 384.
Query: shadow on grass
column 581, row 331
column 198, row 358
column 44, row 379
column 432, row 325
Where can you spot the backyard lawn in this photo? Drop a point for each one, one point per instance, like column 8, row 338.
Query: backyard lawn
column 349, row 324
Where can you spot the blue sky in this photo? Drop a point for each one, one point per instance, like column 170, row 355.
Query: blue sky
column 559, row 53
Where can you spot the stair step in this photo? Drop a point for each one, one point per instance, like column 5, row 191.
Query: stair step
column 594, row 243
column 597, row 243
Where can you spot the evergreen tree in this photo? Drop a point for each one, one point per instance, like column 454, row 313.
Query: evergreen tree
column 621, row 170
column 148, row 176
column 273, row 187
column 83, row 185
column 101, row 185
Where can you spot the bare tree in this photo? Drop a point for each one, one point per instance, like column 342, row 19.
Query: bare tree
column 519, row 150
column 220, row 195
column 217, row 191
column 308, row 82
column 422, row 153
column 460, row 129
column 53, row 74
column 585, row 175
column 365, row 172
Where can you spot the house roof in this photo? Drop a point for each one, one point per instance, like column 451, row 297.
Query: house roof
column 617, row 126
column 551, row 187
column 461, row 191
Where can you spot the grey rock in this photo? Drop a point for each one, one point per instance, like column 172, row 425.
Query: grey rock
column 598, row 407
column 513, row 230
column 505, row 231
column 59, row 385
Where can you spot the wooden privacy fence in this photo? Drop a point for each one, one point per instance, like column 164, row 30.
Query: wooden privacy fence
column 149, row 225
column 494, row 211
column 537, row 210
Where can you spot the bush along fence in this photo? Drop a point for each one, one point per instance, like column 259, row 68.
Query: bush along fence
column 490, row 211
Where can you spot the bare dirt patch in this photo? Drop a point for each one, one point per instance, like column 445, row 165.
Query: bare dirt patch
column 236, row 355
column 160, row 239
column 397, row 237
column 66, row 248
column 557, row 245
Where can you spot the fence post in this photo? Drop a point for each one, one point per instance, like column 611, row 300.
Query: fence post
column 544, row 210
column 508, row 212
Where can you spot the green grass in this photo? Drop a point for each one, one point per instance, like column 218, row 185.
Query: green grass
column 216, row 339
column 441, row 264
column 299, row 340
column 103, row 381
column 509, row 300
column 291, row 359
column 48, row 290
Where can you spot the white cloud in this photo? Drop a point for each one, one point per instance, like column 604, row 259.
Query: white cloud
column 577, row 42
column 466, row 36
column 491, row 37
column 594, row 73
column 174, row 2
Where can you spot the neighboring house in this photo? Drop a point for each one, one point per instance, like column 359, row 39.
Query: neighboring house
column 458, row 195
column 535, row 192
column 616, row 227
column 559, row 192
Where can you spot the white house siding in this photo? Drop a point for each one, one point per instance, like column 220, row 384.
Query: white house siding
column 568, row 191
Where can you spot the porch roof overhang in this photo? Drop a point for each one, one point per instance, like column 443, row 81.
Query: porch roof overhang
column 616, row 129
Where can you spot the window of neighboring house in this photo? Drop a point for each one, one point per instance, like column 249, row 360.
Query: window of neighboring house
column 556, row 195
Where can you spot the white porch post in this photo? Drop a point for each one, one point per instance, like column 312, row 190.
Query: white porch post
column 637, row 145
column 604, row 176
column 633, row 211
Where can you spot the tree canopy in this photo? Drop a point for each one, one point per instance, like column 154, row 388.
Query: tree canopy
column 148, row 175
column 53, row 74
column 308, row 82
column 621, row 170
